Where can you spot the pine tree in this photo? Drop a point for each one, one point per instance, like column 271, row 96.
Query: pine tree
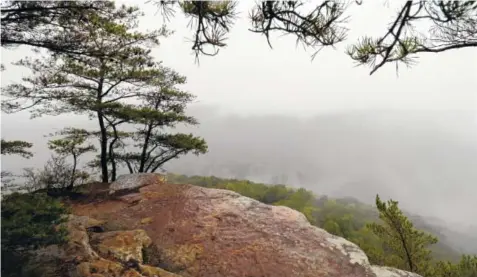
column 466, row 267
column 165, row 108
column 408, row 246
column 72, row 145
column 116, row 68
column 16, row 147
column 13, row 147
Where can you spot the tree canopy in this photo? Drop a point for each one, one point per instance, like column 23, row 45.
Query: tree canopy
column 451, row 25
column 47, row 24
column 16, row 147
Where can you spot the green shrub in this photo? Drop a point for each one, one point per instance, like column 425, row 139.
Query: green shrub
column 29, row 221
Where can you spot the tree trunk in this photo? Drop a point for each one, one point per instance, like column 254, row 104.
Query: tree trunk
column 113, row 167
column 129, row 166
column 104, row 135
column 112, row 158
column 142, row 162
column 73, row 173
column 150, row 127
column 103, row 148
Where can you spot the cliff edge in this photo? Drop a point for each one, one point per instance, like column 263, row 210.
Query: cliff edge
column 151, row 228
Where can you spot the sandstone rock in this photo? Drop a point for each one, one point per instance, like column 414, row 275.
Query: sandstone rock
column 134, row 181
column 146, row 220
column 204, row 232
column 100, row 267
column 131, row 273
column 150, row 271
column 78, row 248
column 131, row 199
column 119, row 254
column 121, row 245
column 84, row 221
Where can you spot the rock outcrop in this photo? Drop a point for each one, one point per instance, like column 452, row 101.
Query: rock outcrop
column 104, row 254
column 122, row 245
column 193, row 231
column 130, row 182
column 108, row 254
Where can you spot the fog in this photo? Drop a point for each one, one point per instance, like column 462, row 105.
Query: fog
column 426, row 159
column 275, row 116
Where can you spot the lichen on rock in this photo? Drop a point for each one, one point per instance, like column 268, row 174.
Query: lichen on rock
column 202, row 232
column 105, row 254
column 134, row 181
column 100, row 266
column 122, row 245
column 151, row 271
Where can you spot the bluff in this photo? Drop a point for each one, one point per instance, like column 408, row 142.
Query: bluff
column 143, row 226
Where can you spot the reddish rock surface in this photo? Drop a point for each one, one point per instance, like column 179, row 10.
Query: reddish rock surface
column 210, row 232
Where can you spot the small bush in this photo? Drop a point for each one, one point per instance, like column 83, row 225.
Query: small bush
column 55, row 175
column 29, row 221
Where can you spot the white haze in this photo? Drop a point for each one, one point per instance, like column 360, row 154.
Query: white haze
column 275, row 115
column 426, row 160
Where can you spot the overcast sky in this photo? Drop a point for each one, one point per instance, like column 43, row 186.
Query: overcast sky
column 248, row 78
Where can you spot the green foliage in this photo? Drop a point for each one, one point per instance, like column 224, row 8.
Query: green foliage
column 466, row 267
column 16, row 147
column 42, row 24
column 72, row 145
column 116, row 81
column 302, row 201
column 57, row 26
column 94, row 82
column 13, row 147
column 29, row 221
column 452, row 25
column 407, row 245
column 162, row 109
column 276, row 193
column 370, row 244
column 244, row 188
column 316, row 27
